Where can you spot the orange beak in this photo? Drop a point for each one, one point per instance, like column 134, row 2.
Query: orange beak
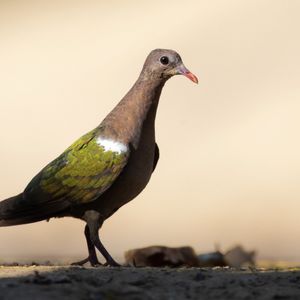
column 182, row 70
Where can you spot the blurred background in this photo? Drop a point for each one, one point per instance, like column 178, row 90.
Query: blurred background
column 229, row 170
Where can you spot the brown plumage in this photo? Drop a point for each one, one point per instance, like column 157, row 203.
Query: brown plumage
column 107, row 167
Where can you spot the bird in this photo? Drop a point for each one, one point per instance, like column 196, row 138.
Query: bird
column 105, row 168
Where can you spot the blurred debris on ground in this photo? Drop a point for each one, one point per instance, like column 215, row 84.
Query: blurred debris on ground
column 161, row 256
column 238, row 257
column 157, row 256
column 212, row 259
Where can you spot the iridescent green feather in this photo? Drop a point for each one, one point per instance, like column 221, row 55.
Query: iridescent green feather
column 83, row 172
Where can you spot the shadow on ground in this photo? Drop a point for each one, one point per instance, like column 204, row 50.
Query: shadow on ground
column 44, row 282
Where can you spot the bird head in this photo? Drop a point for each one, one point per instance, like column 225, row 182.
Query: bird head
column 163, row 63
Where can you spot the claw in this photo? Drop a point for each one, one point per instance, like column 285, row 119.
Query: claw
column 111, row 264
column 93, row 262
column 80, row 263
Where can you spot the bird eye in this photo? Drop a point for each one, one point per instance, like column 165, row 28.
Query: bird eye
column 164, row 60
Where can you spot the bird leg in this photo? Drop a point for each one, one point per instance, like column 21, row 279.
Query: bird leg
column 94, row 222
column 109, row 260
column 92, row 258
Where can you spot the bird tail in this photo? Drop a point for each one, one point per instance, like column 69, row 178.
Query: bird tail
column 16, row 211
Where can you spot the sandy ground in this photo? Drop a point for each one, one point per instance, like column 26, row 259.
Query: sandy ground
column 45, row 282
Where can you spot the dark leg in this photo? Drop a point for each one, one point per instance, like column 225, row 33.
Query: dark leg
column 109, row 260
column 94, row 222
column 92, row 258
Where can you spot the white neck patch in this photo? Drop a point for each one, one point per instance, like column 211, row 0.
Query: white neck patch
column 111, row 145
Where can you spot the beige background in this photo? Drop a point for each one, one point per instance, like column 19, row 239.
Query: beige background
column 230, row 167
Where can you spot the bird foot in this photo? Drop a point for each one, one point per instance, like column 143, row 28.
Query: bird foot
column 111, row 263
column 93, row 262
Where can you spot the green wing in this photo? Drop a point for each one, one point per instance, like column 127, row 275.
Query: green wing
column 80, row 174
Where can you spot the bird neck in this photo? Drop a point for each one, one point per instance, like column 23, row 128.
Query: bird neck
column 125, row 122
